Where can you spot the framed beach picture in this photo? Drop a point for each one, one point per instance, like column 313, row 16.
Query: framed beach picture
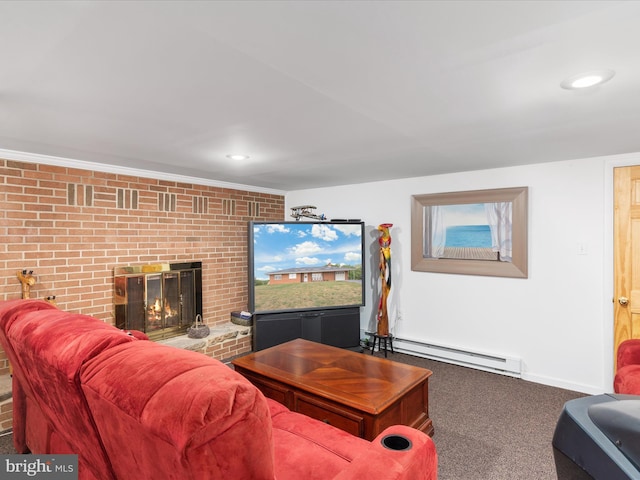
column 477, row 232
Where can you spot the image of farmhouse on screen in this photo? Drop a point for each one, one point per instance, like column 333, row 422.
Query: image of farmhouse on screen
column 479, row 231
column 296, row 266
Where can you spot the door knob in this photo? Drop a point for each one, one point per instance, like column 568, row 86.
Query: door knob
column 623, row 301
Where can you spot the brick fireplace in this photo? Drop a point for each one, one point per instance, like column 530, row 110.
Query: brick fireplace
column 73, row 226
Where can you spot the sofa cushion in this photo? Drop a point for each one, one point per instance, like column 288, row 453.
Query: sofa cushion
column 307, row 448
column 627, row 380
column 12, row 309
column 312, row 450
column 171, row 413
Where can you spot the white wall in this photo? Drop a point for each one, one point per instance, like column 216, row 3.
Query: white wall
column 557, row 320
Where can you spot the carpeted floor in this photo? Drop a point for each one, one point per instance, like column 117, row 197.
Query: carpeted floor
column 487, row 426
column 6, row 443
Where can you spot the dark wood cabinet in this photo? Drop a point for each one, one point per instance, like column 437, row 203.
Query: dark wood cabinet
column 338, row 327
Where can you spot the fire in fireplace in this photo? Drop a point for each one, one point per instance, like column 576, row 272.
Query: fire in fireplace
column 161, row 299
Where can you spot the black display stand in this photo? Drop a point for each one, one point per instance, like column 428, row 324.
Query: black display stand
column 339, row 327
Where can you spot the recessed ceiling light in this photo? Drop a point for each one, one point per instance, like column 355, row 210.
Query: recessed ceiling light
column 238, row 157
column 587, row 79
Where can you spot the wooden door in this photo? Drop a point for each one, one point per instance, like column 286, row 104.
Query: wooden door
column 626, row 246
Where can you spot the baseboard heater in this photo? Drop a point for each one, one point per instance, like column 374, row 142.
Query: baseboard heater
column 481, row 361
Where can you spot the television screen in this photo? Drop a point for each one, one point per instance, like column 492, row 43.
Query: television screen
column 305, row 265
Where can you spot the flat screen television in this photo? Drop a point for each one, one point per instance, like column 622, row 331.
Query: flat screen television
column 299, row 266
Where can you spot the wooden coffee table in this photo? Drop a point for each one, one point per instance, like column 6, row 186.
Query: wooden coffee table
column 355, row 392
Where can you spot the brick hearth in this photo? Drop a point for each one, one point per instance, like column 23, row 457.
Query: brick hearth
column 222, row 342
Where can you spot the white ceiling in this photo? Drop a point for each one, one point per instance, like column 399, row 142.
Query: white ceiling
column 318, row 93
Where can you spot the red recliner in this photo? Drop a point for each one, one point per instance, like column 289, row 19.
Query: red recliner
column 627, row 379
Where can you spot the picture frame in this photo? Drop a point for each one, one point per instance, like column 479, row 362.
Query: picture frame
column 506, row 254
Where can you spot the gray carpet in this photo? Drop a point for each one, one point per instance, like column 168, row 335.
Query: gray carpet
column 487, row 426
column 6, row 443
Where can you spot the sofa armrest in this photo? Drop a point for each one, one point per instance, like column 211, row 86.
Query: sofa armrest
column 629, row 353
column 417, row 462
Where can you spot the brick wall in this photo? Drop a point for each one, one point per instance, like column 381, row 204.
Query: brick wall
column 6, row 415
column 4, row 363
column 72, row 227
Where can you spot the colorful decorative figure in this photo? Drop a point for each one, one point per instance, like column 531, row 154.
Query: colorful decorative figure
column 385, row 276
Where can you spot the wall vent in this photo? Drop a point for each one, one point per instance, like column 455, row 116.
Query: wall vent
column 167, row 202
column 200, row 205
column 228, row 206
column 254, row 209
column 80, row 195
column 127, row 198
column 482, row 361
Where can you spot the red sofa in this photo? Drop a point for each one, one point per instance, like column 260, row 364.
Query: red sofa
column 627, row 379
column 131, row 408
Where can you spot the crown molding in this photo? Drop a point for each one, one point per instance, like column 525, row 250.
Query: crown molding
column 136, row 172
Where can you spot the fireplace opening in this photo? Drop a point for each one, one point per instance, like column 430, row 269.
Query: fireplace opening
column 161, row 299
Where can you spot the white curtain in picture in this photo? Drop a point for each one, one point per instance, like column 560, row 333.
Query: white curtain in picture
column 499, row 220
column 438, row 231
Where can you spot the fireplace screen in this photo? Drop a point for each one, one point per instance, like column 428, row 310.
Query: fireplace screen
column 161, row 300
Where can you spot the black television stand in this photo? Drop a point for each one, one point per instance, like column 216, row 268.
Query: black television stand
column 339, row 327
